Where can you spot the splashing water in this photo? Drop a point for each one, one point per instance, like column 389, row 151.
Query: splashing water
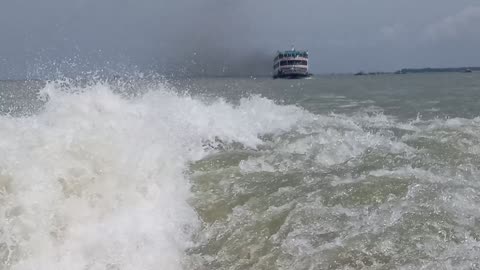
column 96, row 178
column 361, row 192
column 96, row 181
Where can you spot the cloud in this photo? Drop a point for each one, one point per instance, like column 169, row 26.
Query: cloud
column 463, row 23
column 228, row 37
column 391, row 32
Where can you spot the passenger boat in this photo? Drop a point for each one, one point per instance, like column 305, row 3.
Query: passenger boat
column 291, row 64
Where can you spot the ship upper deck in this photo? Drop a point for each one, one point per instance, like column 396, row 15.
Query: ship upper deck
column 291, row 54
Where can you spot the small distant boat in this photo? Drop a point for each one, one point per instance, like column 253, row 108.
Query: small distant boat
column 467, row 70
column 291, row 64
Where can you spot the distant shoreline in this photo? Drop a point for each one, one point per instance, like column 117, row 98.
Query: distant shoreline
column 429, row 70
column 424, row 70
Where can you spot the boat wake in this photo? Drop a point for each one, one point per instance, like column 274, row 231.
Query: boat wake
column 140, row 176
column 96, row 180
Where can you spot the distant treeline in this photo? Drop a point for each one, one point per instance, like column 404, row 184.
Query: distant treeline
column 427, row 70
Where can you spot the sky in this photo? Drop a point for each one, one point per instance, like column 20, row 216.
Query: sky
column 227, row 37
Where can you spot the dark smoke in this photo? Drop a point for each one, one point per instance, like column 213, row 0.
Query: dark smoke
column 211, row 61
column 214, row 38
column 184, row 37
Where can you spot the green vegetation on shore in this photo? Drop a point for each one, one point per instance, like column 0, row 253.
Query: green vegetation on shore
column 428, row 70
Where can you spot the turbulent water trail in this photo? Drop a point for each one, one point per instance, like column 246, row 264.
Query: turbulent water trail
column 96, row 181
column 94, row 178
column 344, row 192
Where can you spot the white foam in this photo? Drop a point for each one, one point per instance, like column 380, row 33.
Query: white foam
column 95, row 181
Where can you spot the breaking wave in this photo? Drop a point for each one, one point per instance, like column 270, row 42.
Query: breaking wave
column 96, row 180
column 100, row 177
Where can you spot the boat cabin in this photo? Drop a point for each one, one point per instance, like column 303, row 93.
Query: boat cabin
column 290, row 64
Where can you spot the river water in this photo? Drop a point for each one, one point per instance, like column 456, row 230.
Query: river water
column 332, row 172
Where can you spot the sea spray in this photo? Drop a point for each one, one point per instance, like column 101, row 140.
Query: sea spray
column 95, row 180
column 137, row 174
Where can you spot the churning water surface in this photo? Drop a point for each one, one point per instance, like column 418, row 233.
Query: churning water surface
column 335, row 172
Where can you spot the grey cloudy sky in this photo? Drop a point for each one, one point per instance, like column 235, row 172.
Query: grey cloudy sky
column 215, row 36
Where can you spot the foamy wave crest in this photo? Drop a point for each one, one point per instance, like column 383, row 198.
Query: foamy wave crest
column 96, row 180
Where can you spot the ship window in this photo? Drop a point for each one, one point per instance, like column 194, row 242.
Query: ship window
column 297, row 62
column 281, row 56
column 283, row 63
